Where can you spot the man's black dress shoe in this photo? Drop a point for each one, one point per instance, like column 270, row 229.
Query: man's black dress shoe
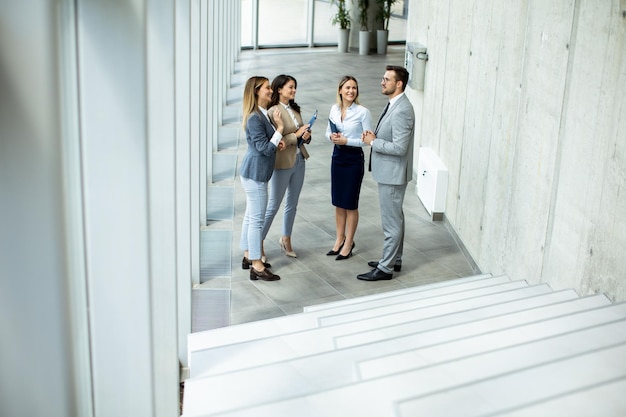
column 245, row 263
column 375, row 275
column 396, row 267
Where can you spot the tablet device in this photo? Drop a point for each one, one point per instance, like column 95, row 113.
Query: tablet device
column 333, row 127
column 312, row 120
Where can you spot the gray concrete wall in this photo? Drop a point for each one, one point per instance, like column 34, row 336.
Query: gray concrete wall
column 525, row 104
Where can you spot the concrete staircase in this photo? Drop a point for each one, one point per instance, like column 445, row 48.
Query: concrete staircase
column 475, row 346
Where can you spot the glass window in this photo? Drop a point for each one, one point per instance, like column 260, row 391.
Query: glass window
column 324, row 33
column 283, row 22
column 286, row 23
column 397, row 24
column 246, row 23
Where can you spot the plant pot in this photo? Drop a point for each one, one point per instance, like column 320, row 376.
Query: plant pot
column 364, row 42
column 381, row 41
column 344, row 40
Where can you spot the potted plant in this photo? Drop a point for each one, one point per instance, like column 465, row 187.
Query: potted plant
column 342, row 18
column 364, row 33
column 383, row 15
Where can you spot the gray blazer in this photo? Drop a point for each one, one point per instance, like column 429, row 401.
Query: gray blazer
column 258, row 162
column 392, row 151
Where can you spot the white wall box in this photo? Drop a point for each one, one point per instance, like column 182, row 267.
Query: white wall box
column 432, row 183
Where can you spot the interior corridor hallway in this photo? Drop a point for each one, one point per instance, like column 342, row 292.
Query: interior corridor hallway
column 439, row 339
column 431, row 253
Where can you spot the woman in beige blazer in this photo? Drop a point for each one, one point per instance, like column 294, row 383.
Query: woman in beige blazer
column 289, row 168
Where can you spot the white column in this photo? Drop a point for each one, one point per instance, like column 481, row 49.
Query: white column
column 126, row 73
column 205, row 106
column 162, row 179
column 36, row 354
column 219, row 67
column 186, row 226
column 198, row 215
column 88, row 249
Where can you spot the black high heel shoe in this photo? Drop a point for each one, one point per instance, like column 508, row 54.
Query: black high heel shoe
column 340, row 257
column 335, row 252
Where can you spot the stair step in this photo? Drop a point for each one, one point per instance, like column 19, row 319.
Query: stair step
column 367, row 298
column 504, row 303
column 311, row 341
column 605, row 399
column 224, row 358
column 289, row 324
column 501, row 379
column 333, row 369
column 345, row 317
column 576, row 374
column 518, row 335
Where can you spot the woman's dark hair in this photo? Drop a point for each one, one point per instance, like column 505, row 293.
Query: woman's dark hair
column 279, row 82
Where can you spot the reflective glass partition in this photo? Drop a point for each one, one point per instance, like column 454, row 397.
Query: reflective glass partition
column 397, row 24
column 247, row 22
column 324, row 33
column 283, row 23
column 290, row 23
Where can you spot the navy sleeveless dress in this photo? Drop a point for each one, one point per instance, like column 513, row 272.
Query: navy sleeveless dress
column 346, row 172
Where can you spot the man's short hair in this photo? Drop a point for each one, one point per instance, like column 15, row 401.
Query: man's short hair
column 401, row 74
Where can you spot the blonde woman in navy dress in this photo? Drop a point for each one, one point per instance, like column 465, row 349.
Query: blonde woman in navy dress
column 347, row 165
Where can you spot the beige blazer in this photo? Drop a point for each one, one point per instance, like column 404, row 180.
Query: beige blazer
column 286, row 158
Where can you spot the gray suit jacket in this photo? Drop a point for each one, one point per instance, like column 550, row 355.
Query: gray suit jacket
column 258, row 162
column 392, row 151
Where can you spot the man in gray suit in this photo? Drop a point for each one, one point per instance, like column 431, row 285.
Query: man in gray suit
column 391, row 163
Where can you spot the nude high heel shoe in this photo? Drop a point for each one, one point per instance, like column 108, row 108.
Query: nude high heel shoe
column 289, row 253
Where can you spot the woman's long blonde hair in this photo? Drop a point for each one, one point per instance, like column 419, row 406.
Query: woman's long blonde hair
column 344, row 80
column 250, row 98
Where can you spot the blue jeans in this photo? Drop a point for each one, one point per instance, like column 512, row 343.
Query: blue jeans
column 290, row 181
column 252, row 226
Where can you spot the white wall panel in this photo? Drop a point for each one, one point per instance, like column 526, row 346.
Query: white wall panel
column 115, row 166
column 541, row 163
column 196, row 174
column 436, row 42
column 205, row 101
column 126, row 94
column 185, row 220
column 459, row 38
column 101, row 182
column 37, row 353
column 162, row 172
column 508, row 79
column 588, row 231
column 543, row 86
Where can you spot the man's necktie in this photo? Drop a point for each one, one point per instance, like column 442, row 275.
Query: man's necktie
column 381, row 116
column 378, row 124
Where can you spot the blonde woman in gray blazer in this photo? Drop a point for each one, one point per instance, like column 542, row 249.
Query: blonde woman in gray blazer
column 255, row 172
column 391, row 163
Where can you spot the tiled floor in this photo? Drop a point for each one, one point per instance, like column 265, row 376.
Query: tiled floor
column 430, row 254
